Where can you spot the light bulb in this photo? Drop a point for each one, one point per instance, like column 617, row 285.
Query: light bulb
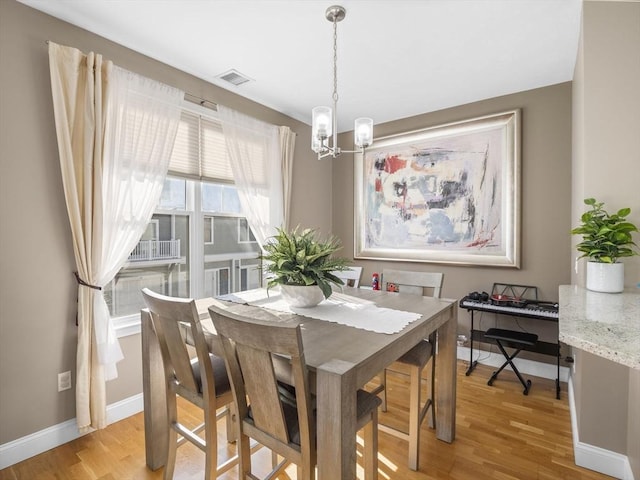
column 363, row 132
column 321, row 122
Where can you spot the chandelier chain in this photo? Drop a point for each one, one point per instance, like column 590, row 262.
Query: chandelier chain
column 335, row 60
column 324, row 127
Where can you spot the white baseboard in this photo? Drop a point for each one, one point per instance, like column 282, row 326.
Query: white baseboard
column 39, row 442
column 530, row 367
column 595, row 458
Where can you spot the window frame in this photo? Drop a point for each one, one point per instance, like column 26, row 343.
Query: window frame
column 211, row 228
column 244, row 231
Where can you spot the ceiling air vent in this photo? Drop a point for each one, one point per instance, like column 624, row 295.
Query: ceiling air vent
column 234, row 77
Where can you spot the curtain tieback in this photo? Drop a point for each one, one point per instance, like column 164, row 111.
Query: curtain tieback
column 85, row 284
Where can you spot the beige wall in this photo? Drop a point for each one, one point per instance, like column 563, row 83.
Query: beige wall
column 606, row 165
column 37, row 287
column 545, row 205
column 606, row 153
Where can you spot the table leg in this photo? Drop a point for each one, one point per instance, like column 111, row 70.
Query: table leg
column 336, row 403
column 446, row 374
column 153, row 389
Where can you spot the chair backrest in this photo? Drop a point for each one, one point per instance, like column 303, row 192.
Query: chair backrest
column 412, row 282
column 350, row 277
column 171, row 317
column 279, row 418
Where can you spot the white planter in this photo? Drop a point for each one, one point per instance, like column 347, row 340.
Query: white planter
column 605, row 277
column 301, row 296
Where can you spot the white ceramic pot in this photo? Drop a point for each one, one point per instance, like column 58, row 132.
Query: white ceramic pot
column 605, row 277
column 301, row 296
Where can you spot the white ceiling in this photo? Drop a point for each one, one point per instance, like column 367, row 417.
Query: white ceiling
column 396, row 58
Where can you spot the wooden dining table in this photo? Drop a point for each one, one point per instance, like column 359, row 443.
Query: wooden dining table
column 341, row 358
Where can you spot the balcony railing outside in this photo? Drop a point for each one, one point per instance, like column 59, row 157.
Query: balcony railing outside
column 155, row 250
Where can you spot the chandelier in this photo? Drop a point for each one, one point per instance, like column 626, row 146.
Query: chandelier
column 324, row 124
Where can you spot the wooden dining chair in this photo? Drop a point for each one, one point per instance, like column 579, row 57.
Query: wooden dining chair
column 415, row 360
column 350, row 277
column 280, row 416
column 201, row 380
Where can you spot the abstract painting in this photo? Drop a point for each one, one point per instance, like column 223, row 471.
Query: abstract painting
column 445, row 194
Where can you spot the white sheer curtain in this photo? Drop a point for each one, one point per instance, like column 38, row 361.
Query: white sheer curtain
column 115, row 133
column 256, row 161
column 287, row 147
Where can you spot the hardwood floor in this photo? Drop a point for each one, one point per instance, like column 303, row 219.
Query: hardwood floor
column 500, row 434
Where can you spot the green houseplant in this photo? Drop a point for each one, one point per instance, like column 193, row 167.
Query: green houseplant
column 300, row 259
column 605, row 239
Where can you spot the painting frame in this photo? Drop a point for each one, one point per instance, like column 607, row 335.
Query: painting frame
column 447, row 194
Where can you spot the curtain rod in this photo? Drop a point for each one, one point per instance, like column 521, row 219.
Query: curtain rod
column 189, row 97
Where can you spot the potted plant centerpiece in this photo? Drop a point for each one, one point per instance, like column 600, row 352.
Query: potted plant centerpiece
column 605, row 239
column 302, row 265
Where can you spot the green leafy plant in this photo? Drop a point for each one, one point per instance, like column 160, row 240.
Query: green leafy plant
column 300, row 258
column 605, row 237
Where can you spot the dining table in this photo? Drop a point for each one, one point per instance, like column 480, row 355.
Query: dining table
column 342, row 356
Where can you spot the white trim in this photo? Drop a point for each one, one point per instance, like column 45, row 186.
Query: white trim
column 595, row 458
column 125, row 408
column 126, row 326
column 211, row 228
column 245, row 231
column 530, row 367
column 56, row 435
column 223, row 257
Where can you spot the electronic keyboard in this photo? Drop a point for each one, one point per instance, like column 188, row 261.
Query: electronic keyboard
column 532, row 309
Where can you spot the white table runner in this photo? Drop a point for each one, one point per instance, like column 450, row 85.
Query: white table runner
column 339, row 308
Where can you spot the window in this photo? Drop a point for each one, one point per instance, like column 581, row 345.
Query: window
column 216, row 281
column 245, row 235
column 208, row 230
column 198, row 243
column 220, row 198
column 161, row 264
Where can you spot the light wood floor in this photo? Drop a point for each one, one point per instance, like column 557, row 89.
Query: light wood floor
column 500, row 434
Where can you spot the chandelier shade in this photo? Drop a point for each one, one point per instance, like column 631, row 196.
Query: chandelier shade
column 324, row 128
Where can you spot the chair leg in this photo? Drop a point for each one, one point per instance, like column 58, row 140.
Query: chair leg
column 232, row 428
column 306, row 472
column 172, row 442
column 370, row 433
column 211, row 440
column 382, row 376
column 243, row 445
column 414, row 418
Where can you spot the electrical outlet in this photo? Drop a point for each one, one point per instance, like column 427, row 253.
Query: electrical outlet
column 64, row 381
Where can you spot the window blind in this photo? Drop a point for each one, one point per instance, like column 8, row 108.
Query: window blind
column 200, row 151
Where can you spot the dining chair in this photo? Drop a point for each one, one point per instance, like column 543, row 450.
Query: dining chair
column 350, row 277
column 201, row 380
column 279, row 415
column 415, row 360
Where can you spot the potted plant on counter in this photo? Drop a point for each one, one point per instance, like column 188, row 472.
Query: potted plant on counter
column 302, row 265
column 605, row 239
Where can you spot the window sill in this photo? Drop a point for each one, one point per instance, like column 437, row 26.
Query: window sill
column 127, row 326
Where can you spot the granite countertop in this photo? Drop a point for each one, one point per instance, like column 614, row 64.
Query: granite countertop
column 604, row 324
